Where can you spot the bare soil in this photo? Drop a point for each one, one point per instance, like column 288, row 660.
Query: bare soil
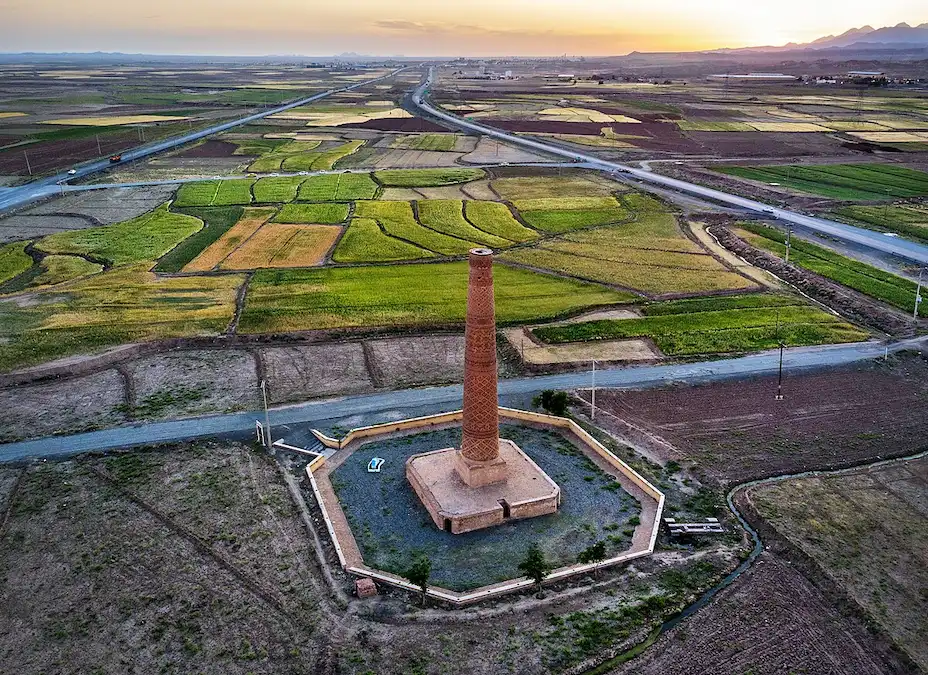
column 20, row 227
column 210, row 148
column 406, row 362
column 107, row 206
column 325, row 370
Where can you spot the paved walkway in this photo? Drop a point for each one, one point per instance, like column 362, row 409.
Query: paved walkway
column 330, row 409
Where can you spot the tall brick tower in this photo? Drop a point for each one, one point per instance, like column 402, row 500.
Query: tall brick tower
column 478, row 462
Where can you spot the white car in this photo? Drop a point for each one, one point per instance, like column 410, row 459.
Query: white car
column 303, row 173
column 72, row 172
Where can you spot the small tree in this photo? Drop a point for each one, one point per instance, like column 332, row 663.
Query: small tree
column 593, row 554
column 535, row 566
column 555, row 402
column 419, row 573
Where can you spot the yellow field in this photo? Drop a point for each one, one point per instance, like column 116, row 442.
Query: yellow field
column 336, row 119
column 892, row 136
column 583, row 115
column 252, row 219
column 902, row 123
column 4, row 115
column 594, row 141
column 851, row 125
column 788, row 127
column 113, row 120
column 280, row 245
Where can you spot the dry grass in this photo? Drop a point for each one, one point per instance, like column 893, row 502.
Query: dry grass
column 280, row 245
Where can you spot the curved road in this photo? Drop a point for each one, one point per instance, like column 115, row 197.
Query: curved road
column 446, row 398
column 900, row 247
column 44, row 187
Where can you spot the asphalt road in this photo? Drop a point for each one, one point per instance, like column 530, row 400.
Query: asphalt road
column 895, row 246
column 387, row 404
column 44, row 187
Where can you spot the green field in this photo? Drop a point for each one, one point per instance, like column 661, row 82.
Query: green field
column 217, row 220
column 13, row 260
column 214, row 193
column 564, row 214
column 405, row 295
column 142, row 239
column 705, row 125
column 320, row 214
column 277, row 189
column 342, row 187
column 546, row 187
column 397, row 220
column 365, row 242
column 910, row 220
column 650, row 255
column 716, row 325
column 434, row 142
column 57, row 269
column 869, row 280
column 273, row 159
column 497, row 219
column 854, row 182
column 447, row 216
column 427, row 177
column 319, row 161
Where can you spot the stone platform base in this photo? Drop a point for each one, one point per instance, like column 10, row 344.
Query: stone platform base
column 455, row 507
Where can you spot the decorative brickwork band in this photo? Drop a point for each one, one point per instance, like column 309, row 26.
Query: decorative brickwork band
column 481, row 404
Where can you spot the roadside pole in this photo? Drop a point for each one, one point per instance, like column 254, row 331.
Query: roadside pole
column 28, row 165
column 593, row 394
column 267, row 417
column 918, row 293
column 780, row 379
column 789, row 240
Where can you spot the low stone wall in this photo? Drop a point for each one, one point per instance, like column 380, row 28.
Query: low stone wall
column 460, row 599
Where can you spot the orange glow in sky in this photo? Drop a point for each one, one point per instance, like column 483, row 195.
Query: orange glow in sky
column 430, row 28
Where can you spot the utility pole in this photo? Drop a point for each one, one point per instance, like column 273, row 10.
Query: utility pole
column 780, row 379
column 267, row 418
column 593, row 394
column 789, row 240
column 28, row 166
column 918, row 294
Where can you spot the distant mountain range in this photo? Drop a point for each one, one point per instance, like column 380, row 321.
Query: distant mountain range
column 901, row 36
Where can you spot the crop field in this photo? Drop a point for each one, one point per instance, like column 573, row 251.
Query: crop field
column 320, row 161
column 316, row 116
column 273, row 153
column 497, row 219
column 217, row 221
column 909, row 220
column 215, row 193
column 447, row 216
column 427, row 177
column 365, row 242
column 562, row 214
column 114, row 120
column 278, row 245
column 250, row 220
column 864, row 278
column 704, row 125
column 892, row 136
column 145, row 238
column 322, row 214
column 13, row 260
column 716, row 325
column 277, row 189
column 434, row 142
column 380, row 296
column 115, row 307
column 340, row 187
column 856, row 182
column 57, row 269
column 397, row 220
column 547, row 187
column 866, row 531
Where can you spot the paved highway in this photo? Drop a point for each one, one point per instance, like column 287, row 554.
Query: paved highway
column 447, row 398
column 895, row 246
column 44, row 187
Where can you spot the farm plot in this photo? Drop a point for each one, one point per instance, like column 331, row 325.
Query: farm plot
column 288, row 300
column 866, row 531
column 397, row 220
column 215, row 193
column 447, row 216
column 433, row 142
column 341, row 187
column 278, row 245
column 365, row 242
column 427, row 177
column 57, row 269
column 277, row 189
column 650, row 256
column 497, row 219
column 217, row 221
column 909, row 220
column 868, row 280
column 145, row 238
column 563, row 214
column 320, row 161
column 716, row 325
column 123, row 305
column 543, row 187
column 325, row 214
column 276, row 152
column 14, row 260
column 250, row 220
column 841, row 181
column 114, row 120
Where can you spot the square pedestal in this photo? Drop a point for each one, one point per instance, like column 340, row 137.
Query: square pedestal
column 456, row 507
column 480, row 474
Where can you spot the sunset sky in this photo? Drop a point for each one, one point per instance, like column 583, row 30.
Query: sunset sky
column 430, row 27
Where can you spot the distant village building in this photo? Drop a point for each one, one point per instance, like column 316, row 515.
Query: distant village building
column 756, row 77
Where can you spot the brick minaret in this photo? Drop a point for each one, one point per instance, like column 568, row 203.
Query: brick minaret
column 479, row 462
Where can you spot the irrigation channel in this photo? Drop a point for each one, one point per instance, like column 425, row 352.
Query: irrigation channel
column 757, row 549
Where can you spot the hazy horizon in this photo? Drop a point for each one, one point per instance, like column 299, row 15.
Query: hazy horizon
column 415, row 28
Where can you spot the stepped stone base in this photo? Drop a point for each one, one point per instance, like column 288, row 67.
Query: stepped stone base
column 456, row 507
